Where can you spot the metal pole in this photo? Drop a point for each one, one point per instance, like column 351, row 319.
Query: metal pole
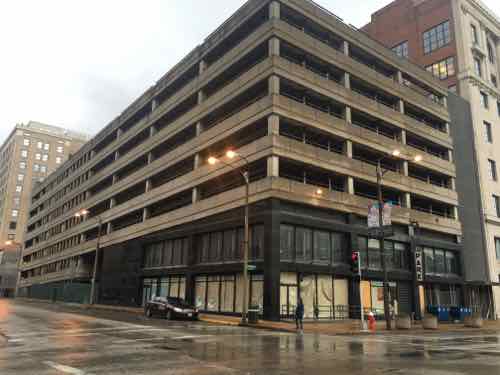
column 363, row 325
column 244, row 314
column 382, row 245
column 19, row 262
column 96, row 261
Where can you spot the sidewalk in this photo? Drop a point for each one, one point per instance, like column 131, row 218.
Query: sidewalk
column 341, row 327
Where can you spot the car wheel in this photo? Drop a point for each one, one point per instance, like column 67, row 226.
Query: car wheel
column 169, row 315
column 149, row 313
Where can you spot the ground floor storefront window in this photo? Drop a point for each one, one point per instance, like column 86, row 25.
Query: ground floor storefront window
column 170, row 286
column 324, row 296
column 224, row 293
column 443, row 295
column 373, row 296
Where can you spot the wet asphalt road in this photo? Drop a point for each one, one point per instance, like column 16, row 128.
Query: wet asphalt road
column 42, row 339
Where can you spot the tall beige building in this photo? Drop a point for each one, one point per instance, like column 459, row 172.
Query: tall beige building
column 459, row 42
column 27, row 157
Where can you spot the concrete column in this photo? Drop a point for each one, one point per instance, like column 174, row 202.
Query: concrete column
column 453, row 183
column 115, row 179
column 83, row 237
column 273, row 125
column 201, row 96
column 450, row 156
column 347, row 81
column 197, row 161
column 199, row 128
column 119, row 133
column 112, row 203
column 403, row 136
column 202, row 67
column 108, row 228
column 405, row 168
column 401, row 106
column 274, row 47
column 274, row 10
column 345, row 48
column 274, row 85
column 407, row 200
column 154, row 105
column 152, row 131
column 447, row 127
column 149, row 185
column 196, row 196
column 273, row 166
column 399, row 77
column 145, row 214
column 348, row 115
column 445, row 101
column 348, row 149
column 117, row 155
column 350, row 185
column 455, row 212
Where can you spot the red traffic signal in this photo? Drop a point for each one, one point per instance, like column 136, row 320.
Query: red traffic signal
column 355, row 259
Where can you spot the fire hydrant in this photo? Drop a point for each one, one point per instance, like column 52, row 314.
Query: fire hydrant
column 371, row 321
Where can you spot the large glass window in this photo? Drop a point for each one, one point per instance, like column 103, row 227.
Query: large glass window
column 215, row 246
column 303, row 244
column 497, row 247
column 477, row 66
column 338, row 250
column 496, row 205
column 257, row 242
column 229, row 244
column 492, row 169
column 437, row 37
column 483, row 98
column 401, row 49
column 429, row 261
column 491, row 53
column 440, row 262
column 488, row 134
column 166, row 253
column 443, row 69
column 286, row 242
column 322, row 246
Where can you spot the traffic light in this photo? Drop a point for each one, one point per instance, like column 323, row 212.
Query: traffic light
column 355, row 262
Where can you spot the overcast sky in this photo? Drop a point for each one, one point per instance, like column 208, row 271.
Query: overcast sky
column 78, row 64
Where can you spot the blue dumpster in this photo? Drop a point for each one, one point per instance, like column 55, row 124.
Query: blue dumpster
column 443, row 313
column 459, row 313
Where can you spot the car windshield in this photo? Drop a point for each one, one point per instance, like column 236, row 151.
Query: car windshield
column 177, row 302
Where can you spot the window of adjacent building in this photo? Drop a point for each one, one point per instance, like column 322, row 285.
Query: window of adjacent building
column 19, row 189
column 436, row 37
column 17, row 202
column 494, row 80
column 491, row 53
column 15, row 213
column 22, row 165
column 492, row 169
column 496, row 205
column 43, row 169
column 58, row 160
column 45, row 157
column 24, row 153
column 401, row 49
column 443, row 69
column 12, row 225
column 36, row 168
column 39, row 145
column 475, row 38
column 46, row 147
column 497, row 247
column 26, row 142
column 11, row 237
column 38, row 156
column 60, row 149
column 477, row 66
column 484, row 100
column 487, row 132
column 498, row 108
column 20, row 177
column 453, row 88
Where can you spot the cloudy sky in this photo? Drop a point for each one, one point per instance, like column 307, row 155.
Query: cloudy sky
column 78, row 64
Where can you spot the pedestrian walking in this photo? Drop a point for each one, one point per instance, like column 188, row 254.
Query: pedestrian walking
column 299, row 315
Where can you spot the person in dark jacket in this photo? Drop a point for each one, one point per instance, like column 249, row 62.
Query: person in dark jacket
column 299, row 315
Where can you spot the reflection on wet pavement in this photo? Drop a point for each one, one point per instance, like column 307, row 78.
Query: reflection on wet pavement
column 47, row 339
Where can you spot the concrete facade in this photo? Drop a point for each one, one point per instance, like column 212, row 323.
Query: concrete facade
column 312, row 104
column 474, row 45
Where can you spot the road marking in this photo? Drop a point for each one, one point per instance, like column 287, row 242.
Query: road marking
column 190, row 337
column 66, row 369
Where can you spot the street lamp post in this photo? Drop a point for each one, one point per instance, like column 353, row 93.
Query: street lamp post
column 19, row 262
column 246, row 176
column 84, row 213
column 380, row 175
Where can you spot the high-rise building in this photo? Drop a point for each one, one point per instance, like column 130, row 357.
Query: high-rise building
column 309, row 106
column 459, row 42
column 30, row 153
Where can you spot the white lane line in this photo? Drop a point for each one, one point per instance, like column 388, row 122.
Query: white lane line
column 190, row 337
column 66, row 369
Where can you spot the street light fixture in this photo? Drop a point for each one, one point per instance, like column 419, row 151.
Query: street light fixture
column 231, row 154
column 380, row 175
column 82, row 214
